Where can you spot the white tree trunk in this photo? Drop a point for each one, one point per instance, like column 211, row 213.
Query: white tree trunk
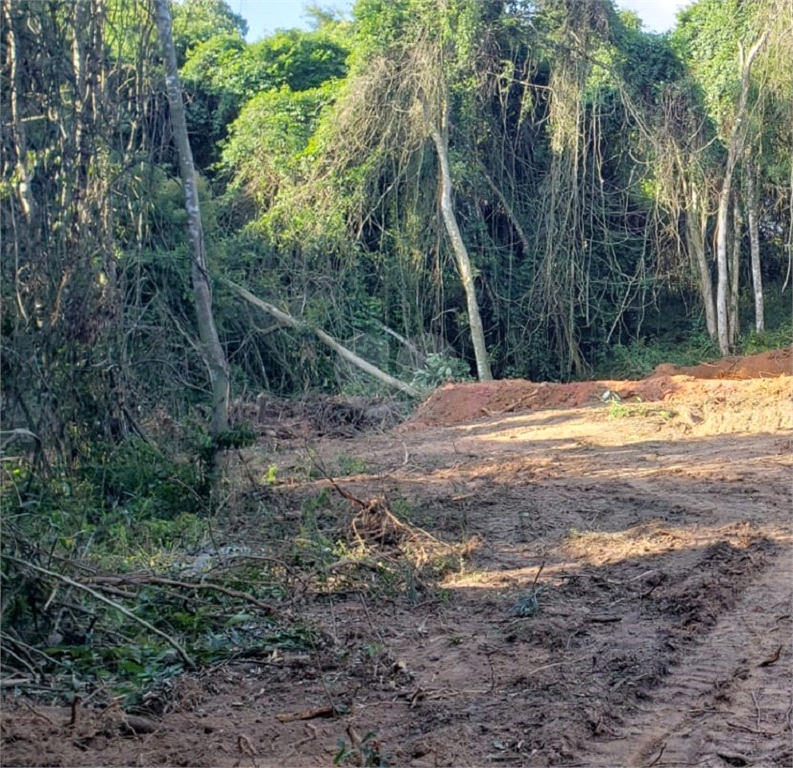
column 722, row 279
column 734, row 150
column 212, row 351
column 441, row 141
column 735, row 271
column 696, row 233
column 754, row 249
column 19, row 143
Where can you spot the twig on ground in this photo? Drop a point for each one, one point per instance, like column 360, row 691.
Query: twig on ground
column 307, row 714
column 663, row 747
column 757, row 708
column 512, row 406
column 145, row 578
column 369, row 619
column 38, row 714
column 312, row 731
column 773, row 659
column 129, row 614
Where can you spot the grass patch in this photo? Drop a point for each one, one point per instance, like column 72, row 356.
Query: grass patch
column 351, row 465
column 619, row 409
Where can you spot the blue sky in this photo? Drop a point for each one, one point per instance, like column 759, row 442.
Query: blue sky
column 265, row 16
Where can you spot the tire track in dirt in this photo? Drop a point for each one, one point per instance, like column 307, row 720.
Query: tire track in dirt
column 732, row 689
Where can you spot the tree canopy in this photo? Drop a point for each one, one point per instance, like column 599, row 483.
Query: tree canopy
column 583, row 162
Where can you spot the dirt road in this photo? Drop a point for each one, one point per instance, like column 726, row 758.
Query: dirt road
column 622, row 595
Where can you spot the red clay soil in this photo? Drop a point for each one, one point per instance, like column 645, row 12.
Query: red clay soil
column 622, row 597
column 461, row 403
column 765, row 365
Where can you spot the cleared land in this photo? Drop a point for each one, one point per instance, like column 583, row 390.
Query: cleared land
column 615, row 590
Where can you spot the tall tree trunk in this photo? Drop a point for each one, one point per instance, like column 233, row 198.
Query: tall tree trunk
column 440, row 136
column 754, row 248
column 734, row 150
column 212, row 351
column 24, row 190
column 735, row 271
column 80, row 90
column 696, row 232
column 19, row 142
column 722, row 282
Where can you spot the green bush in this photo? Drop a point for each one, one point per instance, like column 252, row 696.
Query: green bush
column 137, row 477
column 638, row 358
column 438, row 369
column 753, row 342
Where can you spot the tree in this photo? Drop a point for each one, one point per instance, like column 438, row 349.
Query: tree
column 768, row 161
column 752, row 207
column 721, row 43
column 62, row 174
column 211, row 349
column 395, row 100
column 516, row 127
column 432, row 94
column 683, row 167
column 735, row 148
column 196, row 21
column 224, row 72
column 266, row 142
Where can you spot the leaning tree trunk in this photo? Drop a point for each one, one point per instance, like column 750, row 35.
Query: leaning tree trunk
column 754, row 248
column 211, row 349
column 735, row 147
column 346, row 354
column 441, row 139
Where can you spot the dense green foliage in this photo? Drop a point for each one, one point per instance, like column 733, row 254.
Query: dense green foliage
column 586, row 158
column 222, row 73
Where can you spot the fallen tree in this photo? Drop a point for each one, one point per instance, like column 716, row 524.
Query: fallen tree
column 287, row 319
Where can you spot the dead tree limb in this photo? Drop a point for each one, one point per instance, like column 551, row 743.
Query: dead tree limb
column 351, row 357
column 129, row 614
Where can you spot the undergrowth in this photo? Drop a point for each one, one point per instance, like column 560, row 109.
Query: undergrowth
column 112, row 578
column 640, row 357
column 363, row 752
column 118, row 575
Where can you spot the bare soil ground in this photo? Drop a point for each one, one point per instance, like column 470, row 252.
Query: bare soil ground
column 625, row 599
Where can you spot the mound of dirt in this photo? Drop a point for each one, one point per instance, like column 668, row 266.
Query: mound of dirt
column 778, row 362
column 461, row 403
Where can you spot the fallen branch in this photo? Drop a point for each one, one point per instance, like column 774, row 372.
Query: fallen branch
column 512, row 406
column 349, row 356
column 71, row 582
column 307, row 714
column 145, row 578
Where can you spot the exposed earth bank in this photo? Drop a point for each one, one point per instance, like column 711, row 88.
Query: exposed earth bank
column 457, row 404
column 619, row 595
